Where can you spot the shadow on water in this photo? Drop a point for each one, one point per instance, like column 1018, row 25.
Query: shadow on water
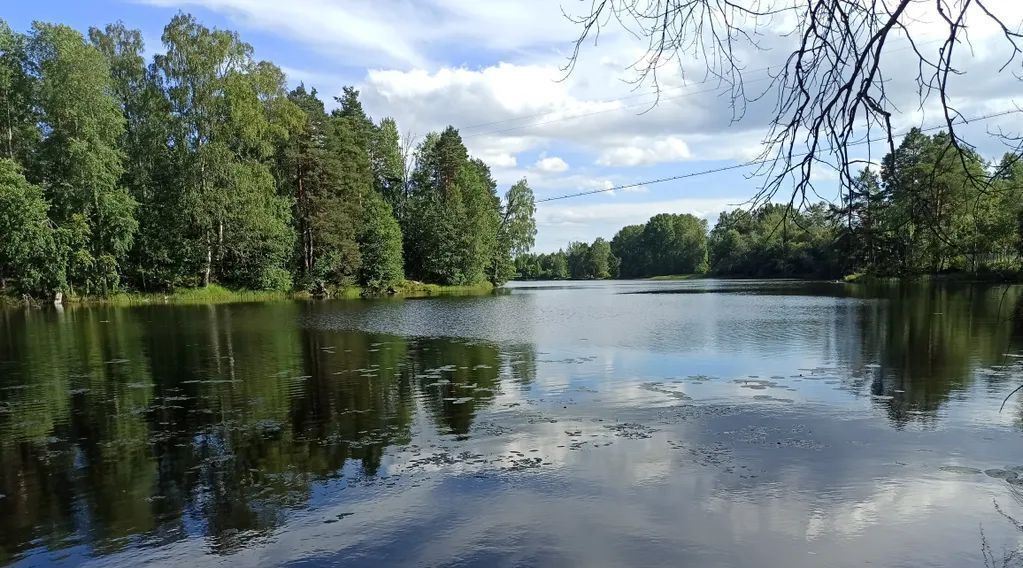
column 123, row 428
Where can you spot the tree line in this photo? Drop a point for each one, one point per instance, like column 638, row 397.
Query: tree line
column 200, row 166
column 933, row 206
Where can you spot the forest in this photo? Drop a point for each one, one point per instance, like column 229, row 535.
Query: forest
column 201, row 167
column 932, row 207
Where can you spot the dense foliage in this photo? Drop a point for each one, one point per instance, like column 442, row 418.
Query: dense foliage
column 932, row 208
column 666, row 244
column 775, row 241
column 201, row 167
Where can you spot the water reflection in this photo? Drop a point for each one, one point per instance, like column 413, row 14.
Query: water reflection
column 123, row 430
column 140, row 427
column 932, row 341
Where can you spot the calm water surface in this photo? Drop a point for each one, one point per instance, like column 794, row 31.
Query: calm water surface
column 697, row 423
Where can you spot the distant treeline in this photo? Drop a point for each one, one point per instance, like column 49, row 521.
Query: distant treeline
column 933, row 207
column 199, row 166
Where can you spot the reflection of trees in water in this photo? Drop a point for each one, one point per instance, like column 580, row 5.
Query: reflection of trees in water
column 456, row 379
column 931, row 340
column 159, row 422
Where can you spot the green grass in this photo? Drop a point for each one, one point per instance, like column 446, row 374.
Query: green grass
column 413, row 289
column 985, row 276
column 212, row 294
column 215, row 294
column 678, row 277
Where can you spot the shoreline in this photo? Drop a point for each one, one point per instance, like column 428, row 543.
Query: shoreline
column 215, row 294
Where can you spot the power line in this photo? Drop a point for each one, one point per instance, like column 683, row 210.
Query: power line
column 754, row 162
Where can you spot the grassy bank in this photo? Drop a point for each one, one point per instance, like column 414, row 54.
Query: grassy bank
column 1004, row 277
column 678, row 277
column 214, row 294
column 411, row 289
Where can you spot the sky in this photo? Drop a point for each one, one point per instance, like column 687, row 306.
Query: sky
column 495, row 70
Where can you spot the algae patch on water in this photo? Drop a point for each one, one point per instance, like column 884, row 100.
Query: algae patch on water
column 959, row 469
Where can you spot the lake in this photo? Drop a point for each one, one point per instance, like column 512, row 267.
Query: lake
column 632, row 423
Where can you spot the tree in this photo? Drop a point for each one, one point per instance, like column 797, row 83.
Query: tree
column 516, row 232
column 666, row 244
column 230, row 114
column 774, row 241
column 80, row 162
column 674, row 244
column 302, row 172
column 27, row 250
column 350, row 107
column 628, row 247
column 599, row 259
column 451, row 228
column 578, row 260
column 18, row 115
column 154, row 260
column 338, row 205
column 931, row 188
column 860, row 214
column 477, row 221
column 380, row 245
column 389, row 168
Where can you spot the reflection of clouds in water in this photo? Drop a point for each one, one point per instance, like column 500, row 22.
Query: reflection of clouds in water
column 909, row 502
column 634, row 500
column 306, row 401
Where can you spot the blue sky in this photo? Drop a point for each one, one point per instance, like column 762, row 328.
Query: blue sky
column 493, row 70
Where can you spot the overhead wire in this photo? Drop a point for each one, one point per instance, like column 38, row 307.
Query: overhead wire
column 756, row 162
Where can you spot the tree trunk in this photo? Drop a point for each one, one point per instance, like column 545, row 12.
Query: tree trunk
column 220, row 244
column 209, row 262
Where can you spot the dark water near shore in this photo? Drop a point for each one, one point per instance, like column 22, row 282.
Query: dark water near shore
column 697, row 423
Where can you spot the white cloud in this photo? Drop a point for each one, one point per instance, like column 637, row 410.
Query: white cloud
column 642, row 152
column 510, row 108
column 494, row 70
column 499, row 159
column 402, row 33
column 551, row 164
column 358, row 28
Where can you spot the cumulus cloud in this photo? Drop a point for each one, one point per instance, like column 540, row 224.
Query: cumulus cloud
column 405, row 34
column 551, row 164
column 641, row 152
column 495, row 71
column 499, row 159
